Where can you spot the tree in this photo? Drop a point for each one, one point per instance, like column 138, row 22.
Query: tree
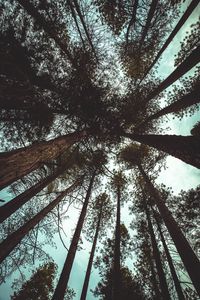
column 101, row 213
column 17, row 163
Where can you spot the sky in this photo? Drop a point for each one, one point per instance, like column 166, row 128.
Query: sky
column 178, row 175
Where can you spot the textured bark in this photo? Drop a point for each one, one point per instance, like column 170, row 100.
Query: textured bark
column 14, row 238
column 64, row 277
column 148, row 21
column 117, row 254
column 31, row 10
column 184, row 102
column 17, row 163
column 180, row 23
column 170, row 262
column 14, row 204
column 156, row 254
column 189, row 258
column 90, row 262
column 186, row 148
column 192, row 60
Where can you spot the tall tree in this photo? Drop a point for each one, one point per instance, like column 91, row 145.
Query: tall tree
column 101, row 214
column 17, row 163
column 14, row 238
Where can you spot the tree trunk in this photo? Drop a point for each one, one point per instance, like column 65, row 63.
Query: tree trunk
column 184, row 102
column 189, row 258
column 192, row 60
column 59, row 292
column 14, row 238
column 132, row 22
column 170, row 262
column 31, row 10
column 161, row 275
column 116, row 268
column 148, row 21
column 90, row 262
column 185, row 148
column 14, row 204
column 154, row 280
column 180, row 23
column 17, row 163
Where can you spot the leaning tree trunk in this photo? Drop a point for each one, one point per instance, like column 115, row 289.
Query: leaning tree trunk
column 59, row 292
column 161, row 275
column 116, row 268
column 180, row 23
column 190, row 61
column 170, row 261
column 90, row 262
column 17, row 163
column 31, row 10
column 186, row 148
column 13, row 205
column 184, row 102
column 14, row 238
column 189, row 258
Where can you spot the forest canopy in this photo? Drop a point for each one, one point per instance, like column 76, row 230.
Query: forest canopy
column 88, row 91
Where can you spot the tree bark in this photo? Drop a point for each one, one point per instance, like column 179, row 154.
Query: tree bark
column 59, row 292
column 185, row 148
column 170, row 262
column 31, row 10
column 14, row 204
column 17, row 163
column 117, row 268
column 180, row 23
column 192, row 60
column 189, row 258
column 184, row 102
column 90, row 262
column 161, row 275
column 14, row 238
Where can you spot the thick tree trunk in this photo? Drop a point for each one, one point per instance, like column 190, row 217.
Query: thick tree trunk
column 184, row 102
column 170, row 262
column 31, row 10
column 180, row 23
column 14, row 238
column 185, row 148
column 161, row 275
column 14, row 204
column 189, row 258
column 117, row 268
column 17, row 163
column 90, row 262
column 148, row 21
column 192, row 60
column 64, row 277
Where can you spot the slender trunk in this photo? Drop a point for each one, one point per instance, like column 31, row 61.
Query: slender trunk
column 192, row 60
column 90, row 262
column 186, row 148
column 14, row 238
column 31, row 10
column 170, row 262
column 184, row 102
column 154, row 280
column 132, row 22
column 148, row 21
column 59, row 292
column 17, row 163
column 84, row 26
column 117, row 254
column 14, row 204
column 180, row 23
column 189, row 258
column 161, row 275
